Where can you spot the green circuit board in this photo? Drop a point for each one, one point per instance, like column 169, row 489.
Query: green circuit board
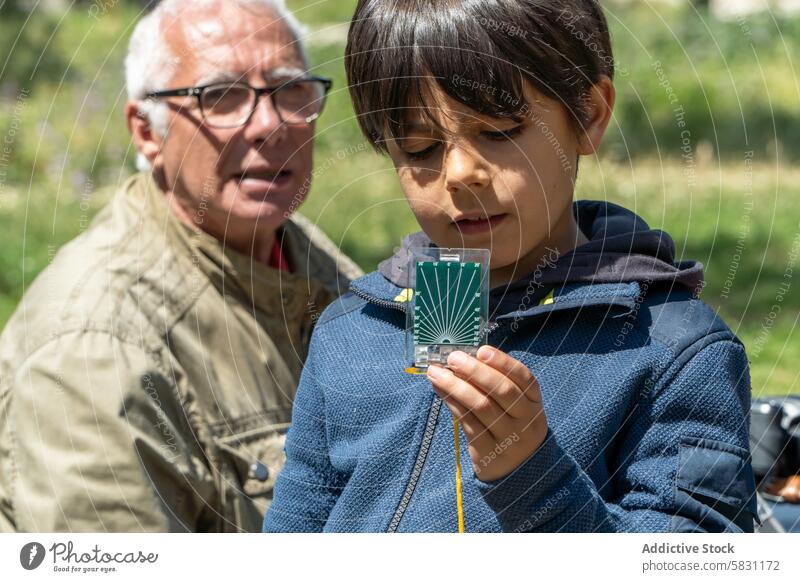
column 448, row 303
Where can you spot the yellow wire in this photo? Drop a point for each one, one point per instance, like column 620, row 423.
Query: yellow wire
column 459, row 499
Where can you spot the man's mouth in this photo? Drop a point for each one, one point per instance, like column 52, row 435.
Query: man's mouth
column 472, row 224
column 259, row 181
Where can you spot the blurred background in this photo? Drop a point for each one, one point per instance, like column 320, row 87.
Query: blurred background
column 705, row 144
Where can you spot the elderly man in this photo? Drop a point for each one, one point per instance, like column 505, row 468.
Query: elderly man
column 147, row 378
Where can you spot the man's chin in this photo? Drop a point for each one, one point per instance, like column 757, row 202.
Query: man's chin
column 268, row 207
column 264, row 215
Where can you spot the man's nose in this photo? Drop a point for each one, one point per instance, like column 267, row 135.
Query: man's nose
column 464, row 169
column 265, row 123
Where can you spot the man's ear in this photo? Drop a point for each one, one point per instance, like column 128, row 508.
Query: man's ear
column 599, row 107
column 147, row 141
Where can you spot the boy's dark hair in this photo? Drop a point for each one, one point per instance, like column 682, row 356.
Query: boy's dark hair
column 479, row 52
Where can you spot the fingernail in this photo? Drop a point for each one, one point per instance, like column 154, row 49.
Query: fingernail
column 457, row 359
column 436, row 372
column 485, row 354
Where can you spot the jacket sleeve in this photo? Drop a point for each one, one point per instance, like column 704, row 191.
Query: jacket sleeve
column 683, row 463
column 308, row 486
column 94, row 429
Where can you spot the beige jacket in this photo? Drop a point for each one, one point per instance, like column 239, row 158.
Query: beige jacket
column 147, row 377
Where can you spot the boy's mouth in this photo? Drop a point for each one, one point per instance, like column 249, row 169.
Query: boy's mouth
column 472, row 224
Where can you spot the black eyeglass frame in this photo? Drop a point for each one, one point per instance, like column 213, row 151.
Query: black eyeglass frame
column 197, row 92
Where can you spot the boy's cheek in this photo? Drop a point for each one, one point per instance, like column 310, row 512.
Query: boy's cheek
column 433, row 219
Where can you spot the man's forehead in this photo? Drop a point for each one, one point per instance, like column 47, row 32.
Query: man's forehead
column 245, row 43
column 207, row 35
column 223, row 75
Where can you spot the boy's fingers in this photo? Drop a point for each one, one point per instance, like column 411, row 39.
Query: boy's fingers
column 492, row 382
column 513, row 369
column 479, row 436
column 453, row 389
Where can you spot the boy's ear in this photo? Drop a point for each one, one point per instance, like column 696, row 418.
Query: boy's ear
column 599, row 107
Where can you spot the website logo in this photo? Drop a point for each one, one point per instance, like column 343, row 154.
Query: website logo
column 31, row 555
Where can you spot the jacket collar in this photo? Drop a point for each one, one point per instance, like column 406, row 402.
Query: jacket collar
column 265, row 287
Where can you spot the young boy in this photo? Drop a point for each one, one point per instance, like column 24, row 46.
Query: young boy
column 609, row 399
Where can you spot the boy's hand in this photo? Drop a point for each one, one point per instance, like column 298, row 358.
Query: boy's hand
column 499, row 405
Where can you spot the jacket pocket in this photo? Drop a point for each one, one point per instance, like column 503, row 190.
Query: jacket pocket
column 255, row 455
column 258, row 458
column 715, row 479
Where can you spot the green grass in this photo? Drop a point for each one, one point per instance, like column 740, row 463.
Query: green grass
column 748, row 240
column 70, row 141
column 322, row 12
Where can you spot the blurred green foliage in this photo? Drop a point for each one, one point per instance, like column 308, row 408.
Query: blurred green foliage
column 732, row 85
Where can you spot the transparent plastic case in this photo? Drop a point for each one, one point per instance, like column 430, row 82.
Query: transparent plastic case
column 449, row 304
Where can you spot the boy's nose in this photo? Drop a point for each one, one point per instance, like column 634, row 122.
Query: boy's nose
column 464, row 170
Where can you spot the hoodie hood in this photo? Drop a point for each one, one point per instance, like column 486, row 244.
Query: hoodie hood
column 622, row 248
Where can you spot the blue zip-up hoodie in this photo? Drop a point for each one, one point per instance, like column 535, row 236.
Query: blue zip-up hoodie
column 646, row 392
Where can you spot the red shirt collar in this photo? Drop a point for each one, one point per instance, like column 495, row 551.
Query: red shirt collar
column 277, row 259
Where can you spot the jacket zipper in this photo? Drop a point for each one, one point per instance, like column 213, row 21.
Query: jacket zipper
column 422, row 454
column 375, row 301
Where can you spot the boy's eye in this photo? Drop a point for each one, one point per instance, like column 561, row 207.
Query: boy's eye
column 417, row 147
column 423, row 153
column 504, row 134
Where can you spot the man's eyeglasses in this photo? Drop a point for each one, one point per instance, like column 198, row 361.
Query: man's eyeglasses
column 231, row 104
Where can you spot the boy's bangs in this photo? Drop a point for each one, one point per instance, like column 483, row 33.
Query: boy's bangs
column 413, row 50
column 479, row 52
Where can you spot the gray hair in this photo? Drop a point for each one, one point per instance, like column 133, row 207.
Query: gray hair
column 150, row 62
